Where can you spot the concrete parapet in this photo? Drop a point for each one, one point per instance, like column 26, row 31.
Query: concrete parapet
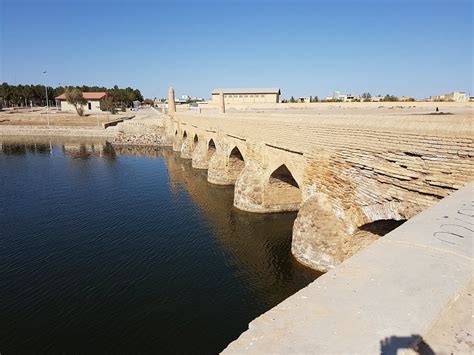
column 386, row 297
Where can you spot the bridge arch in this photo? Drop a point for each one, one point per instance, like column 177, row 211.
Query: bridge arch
column 195, row 140
column 372, row 216
column 236, row 163
column 282, row 190
column 211, row 148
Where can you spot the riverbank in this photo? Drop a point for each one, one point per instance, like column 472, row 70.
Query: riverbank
column 141, row 129
column 113, row 136
column 55, row 118
column 56, row 131
column 144, row 139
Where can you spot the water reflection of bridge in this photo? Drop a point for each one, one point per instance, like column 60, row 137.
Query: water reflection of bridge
column 259, row 243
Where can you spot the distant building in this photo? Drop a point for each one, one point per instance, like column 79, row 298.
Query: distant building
column 337, row 96
column 186, row 98
column 248, row 95
column 304, row 99
column 457, row 96
column 92, row 105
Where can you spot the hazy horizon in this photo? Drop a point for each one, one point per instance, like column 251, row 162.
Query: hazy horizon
column 414, row 48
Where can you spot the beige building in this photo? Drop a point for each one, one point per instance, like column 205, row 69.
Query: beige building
column 247, row 95
column 456, row 96
column 92, row 105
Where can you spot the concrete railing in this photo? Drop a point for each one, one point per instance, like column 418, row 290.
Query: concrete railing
column 387, row 296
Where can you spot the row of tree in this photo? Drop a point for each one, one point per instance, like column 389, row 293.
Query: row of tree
column 24, row 95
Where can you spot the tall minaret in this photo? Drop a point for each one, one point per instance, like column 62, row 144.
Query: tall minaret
column 171, row 103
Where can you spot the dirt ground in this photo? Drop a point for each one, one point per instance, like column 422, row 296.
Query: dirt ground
column 38, row 117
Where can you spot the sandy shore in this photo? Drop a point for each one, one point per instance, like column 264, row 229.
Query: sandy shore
column 39, row 118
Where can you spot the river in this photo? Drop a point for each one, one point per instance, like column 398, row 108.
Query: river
column 130, row 250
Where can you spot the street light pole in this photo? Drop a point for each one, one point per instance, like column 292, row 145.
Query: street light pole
column 47, row 101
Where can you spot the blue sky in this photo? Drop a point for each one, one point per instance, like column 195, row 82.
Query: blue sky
column 416, row 48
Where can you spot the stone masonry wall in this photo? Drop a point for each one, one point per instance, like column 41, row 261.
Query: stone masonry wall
column 355, row 171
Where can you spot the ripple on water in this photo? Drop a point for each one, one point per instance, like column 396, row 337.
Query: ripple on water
column 131, row 254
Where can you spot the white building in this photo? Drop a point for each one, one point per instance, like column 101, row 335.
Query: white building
column 305, row 99
column 457, row 96
column 337, row 96
column 92, row 105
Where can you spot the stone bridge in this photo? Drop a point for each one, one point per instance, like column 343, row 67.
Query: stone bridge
column 351, row 177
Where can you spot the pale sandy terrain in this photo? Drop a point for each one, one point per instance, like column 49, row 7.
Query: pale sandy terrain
column 24, row 117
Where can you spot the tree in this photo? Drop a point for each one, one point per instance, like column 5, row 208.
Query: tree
column 366, row 96
column 13, row 95
column 292, row 100
column 75, row 98
column 390, row 98
column 108, row 104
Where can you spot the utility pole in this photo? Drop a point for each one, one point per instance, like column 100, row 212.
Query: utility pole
column 47, row 101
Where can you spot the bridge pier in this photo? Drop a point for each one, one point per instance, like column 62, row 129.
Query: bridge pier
column 219, row 172
column 188, row 147
column 318, row 235
column 177, row 141
column 263, row 190
column 249, row 189
column 199, row 156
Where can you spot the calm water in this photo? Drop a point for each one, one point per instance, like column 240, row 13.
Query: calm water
column 112, row 251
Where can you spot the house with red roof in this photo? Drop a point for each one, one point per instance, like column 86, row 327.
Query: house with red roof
column 92, row 105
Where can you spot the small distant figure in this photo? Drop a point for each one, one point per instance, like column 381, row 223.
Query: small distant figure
column 437, row 109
